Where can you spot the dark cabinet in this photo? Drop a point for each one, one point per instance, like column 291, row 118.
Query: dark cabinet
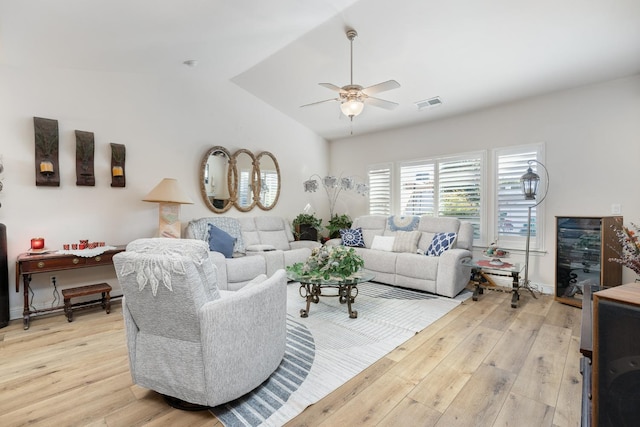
column 583, row 248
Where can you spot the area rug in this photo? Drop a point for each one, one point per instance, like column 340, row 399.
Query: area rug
column 327, row 349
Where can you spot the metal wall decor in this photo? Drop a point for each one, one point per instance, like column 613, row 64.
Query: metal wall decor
column 118, row 155
column 85, row 147
column 46, row 154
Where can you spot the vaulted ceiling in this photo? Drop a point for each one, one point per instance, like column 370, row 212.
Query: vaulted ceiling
column 472, row 54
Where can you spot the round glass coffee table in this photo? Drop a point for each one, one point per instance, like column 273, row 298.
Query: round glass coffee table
column 346, row 289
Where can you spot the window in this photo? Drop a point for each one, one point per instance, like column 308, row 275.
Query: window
column 443, row 187
column 511, row 207
column 453, row 187
column 380, row 189
column 416, row 188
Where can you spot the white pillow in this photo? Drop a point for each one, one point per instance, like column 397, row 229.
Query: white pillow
column 383, row 243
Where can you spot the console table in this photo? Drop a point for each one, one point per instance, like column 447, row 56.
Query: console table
column 27, row 264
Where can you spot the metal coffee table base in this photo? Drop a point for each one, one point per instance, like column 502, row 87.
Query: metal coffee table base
column 346, row 293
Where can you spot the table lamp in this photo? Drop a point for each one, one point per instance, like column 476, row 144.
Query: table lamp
column 170, row 196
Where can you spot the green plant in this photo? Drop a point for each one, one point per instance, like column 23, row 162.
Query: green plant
column 308, row 219
column 337, row 223
column 326, row 262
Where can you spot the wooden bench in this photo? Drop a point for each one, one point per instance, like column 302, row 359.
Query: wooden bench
column 81, row 291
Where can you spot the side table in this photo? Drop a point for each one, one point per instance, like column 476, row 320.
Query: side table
column 27, row 264
column 481, row 267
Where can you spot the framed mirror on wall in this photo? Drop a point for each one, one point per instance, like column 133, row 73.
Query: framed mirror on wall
column 215, row 172
column 268, row 180
column 241, row 179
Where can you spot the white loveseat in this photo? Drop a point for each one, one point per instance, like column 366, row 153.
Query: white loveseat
column 264, row 244
column 411, row 268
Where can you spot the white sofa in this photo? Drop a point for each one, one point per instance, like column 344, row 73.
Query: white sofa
column 264, row 244
column 442, row 275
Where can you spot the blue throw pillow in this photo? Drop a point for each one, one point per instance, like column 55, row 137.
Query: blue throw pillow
column 221, row 241
column 440, row 243
column 352, row 237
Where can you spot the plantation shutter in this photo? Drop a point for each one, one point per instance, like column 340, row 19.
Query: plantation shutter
column 512, row 207
column 416, row 188
column 459, row 190
column 380, row 189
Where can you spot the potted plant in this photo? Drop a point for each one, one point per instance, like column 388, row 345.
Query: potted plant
column 307, row 226
column 337, row 223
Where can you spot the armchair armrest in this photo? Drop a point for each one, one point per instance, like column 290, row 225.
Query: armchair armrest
column 246, row 328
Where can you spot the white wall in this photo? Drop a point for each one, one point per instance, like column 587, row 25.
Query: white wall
column 166, row 122
column 592, row 140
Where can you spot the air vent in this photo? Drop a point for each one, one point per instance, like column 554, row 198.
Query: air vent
column 429, row 103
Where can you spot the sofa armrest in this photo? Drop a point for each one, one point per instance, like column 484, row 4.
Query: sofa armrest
column 452, row 275
column 297, row 244
column 221, row 263
column 333, row 242
column 245, row 328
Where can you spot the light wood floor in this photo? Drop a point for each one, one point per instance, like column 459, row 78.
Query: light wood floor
column 483, row 364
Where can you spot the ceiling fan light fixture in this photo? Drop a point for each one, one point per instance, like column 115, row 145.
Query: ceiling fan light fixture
column 352, row 107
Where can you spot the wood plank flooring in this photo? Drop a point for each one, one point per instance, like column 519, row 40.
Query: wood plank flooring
column 483, row 364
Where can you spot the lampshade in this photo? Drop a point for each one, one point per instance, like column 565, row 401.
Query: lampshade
column 168, row 191
column 352, row 107
column 530, row 181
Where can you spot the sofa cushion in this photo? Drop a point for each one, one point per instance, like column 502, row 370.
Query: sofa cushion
column 403, row 223
column 406, row 241
column 440, row 243
column 221, row 241
column 352, row 237
column 383, row 243
column 371, row 225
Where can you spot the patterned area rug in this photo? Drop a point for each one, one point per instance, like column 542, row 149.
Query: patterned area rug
column 328, row 348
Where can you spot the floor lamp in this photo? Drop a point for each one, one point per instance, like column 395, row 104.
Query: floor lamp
column 530, row 181
column 170, row 196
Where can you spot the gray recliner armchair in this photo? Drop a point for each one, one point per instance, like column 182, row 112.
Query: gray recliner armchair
column 188, row 340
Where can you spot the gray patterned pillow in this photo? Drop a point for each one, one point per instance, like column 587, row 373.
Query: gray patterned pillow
column 406, row 241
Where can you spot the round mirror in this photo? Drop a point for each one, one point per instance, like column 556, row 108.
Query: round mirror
column 268, row 180
column 243, row 180
column 214, row 179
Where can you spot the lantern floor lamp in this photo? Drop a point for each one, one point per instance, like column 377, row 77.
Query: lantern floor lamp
column 530, row 181
column 170, row 196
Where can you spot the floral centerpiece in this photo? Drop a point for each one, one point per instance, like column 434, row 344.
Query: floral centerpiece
column 328, row 262
column 629, row 256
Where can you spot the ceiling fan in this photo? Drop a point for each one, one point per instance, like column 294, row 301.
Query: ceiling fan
column 352, row 97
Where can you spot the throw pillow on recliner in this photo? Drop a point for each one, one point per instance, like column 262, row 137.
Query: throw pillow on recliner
column 221, row 241
column 352, row 237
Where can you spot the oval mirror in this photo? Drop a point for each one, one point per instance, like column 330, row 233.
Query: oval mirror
column 214, row 179
column 243, row 180
column 268, row 180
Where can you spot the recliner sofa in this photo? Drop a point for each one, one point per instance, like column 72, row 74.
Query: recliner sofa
column 264, row 244
column 407, row 265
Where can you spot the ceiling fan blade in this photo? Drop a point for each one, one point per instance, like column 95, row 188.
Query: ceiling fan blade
column 320, row 102
column 333, row 87
column 381, row 87
column 377, row 102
